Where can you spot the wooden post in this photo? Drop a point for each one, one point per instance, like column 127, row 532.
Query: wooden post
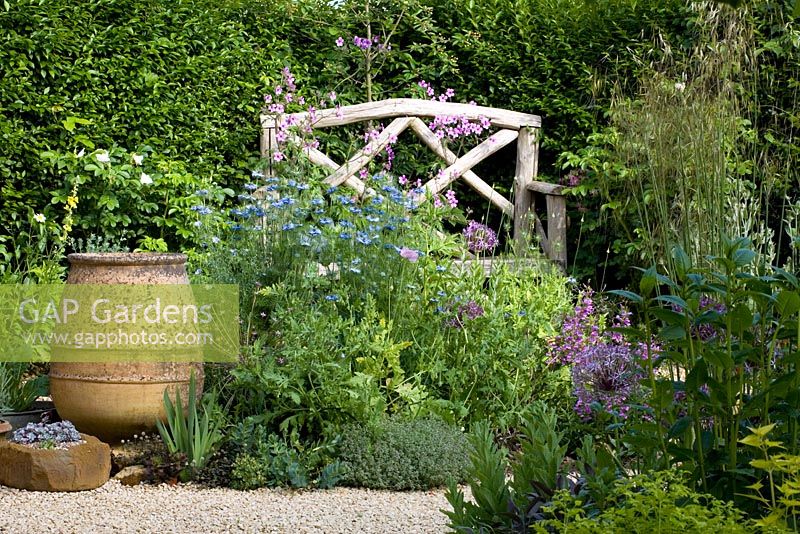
column 269, row 144
column 527, row 168
column 557, row 229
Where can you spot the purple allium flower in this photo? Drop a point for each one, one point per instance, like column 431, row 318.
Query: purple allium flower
column 479, row 237
column 465, row 312
column 606, row 374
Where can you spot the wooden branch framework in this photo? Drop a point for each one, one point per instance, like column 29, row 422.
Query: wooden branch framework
column 406, row 112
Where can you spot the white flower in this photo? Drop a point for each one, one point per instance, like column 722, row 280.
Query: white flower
column 680, row 86
column 102, row 156
column 145, row 179
column 137, row 159
column 81, row 153
column 39, row 217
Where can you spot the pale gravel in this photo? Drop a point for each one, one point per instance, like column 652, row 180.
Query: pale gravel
column 194, row 509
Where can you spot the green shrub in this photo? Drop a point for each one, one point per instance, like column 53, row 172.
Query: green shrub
column 266, row 460
column 403, row 455
column 135, row 199
column 512, row 505
column 652, row 502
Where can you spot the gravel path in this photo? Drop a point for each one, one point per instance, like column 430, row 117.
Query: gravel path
column 192, row 509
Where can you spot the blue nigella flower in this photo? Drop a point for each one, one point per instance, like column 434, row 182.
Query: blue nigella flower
column 202, row 210
column 363, row 238
column 345, row 235
column 302, row 187
column 250, row 187
column 317, row 202
column 201, row 192
column 314, row 231
column 325, row 221
column 441, row 268
column 289, row 226
column 257, row 174
column 332, row 298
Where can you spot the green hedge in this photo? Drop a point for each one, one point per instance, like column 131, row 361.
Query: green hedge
column 186, row 77
column 180, row 77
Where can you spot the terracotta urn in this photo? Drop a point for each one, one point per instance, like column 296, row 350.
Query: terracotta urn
column 116, row 399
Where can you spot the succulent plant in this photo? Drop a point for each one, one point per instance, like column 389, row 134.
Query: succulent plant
column 49, row 434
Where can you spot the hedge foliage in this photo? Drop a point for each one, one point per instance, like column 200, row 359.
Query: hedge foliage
column 186, row 78
column 180, row 77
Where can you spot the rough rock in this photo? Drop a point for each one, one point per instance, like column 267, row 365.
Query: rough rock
column 81, row 467
column 132, row 475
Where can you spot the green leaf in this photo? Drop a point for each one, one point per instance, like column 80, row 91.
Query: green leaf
column 673, row 332
column 766, row 465
column 788, row 302
column 681, row 425
column 648, row 282
column 675, row 300
column 70, row 122
column 630, row 295
column 682, row 262
column 743, row 256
